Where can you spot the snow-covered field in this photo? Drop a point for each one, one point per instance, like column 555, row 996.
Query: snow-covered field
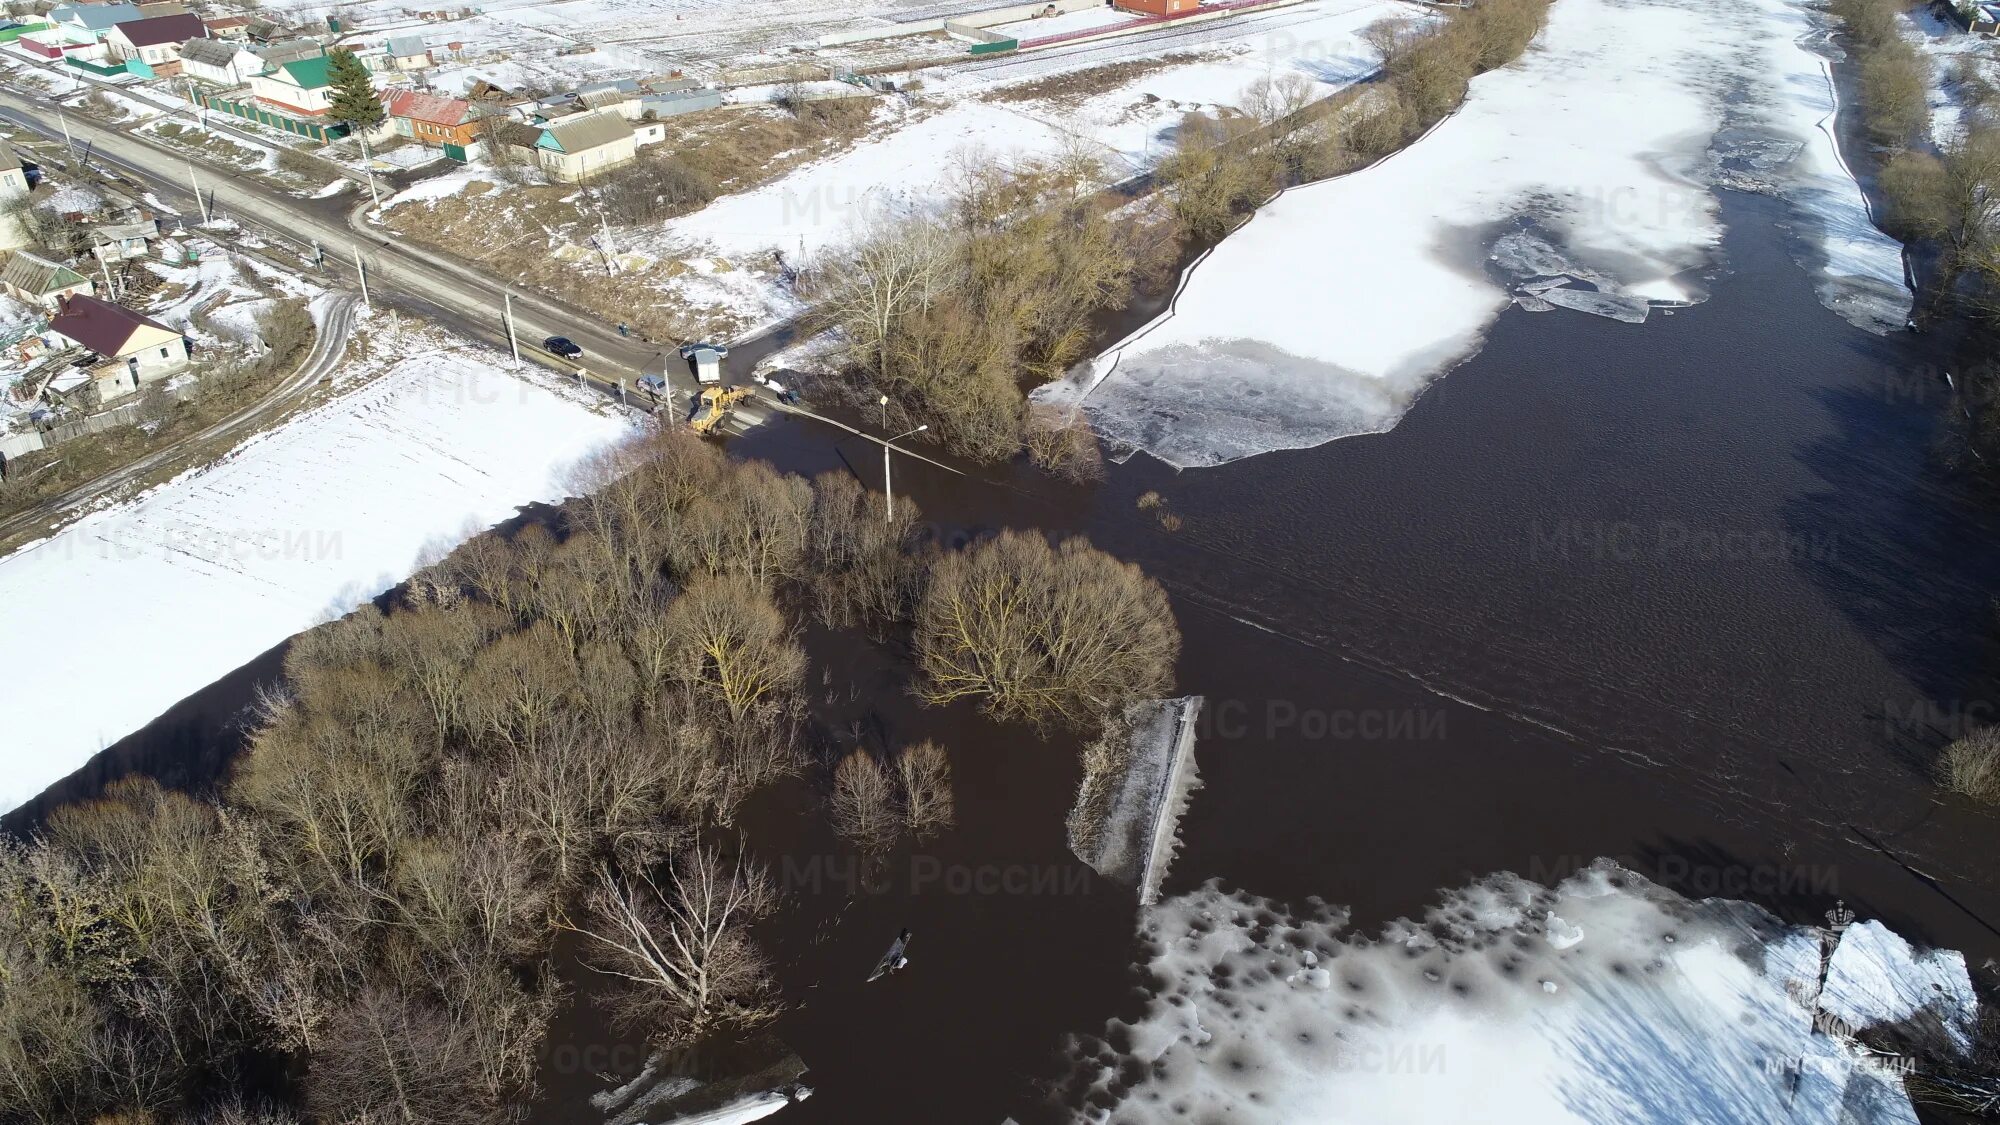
column 1128, row 128
column 1579, row 176
column 1603, row 999
column 133, row 608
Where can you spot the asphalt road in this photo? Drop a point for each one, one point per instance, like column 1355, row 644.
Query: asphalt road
column 396, row 273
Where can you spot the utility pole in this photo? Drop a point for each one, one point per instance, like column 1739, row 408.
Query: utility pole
column 361, row 271
column 512, row 342
column 199, row 198
column 200, row 108
column 67, row 139
column 109, row 288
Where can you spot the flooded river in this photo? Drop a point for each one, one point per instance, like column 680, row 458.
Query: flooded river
column 1698, row 594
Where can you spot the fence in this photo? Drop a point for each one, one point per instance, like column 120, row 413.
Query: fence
column 311, row 130
column 124, row 414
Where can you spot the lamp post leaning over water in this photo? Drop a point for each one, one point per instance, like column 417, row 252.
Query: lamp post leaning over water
column 888, row 488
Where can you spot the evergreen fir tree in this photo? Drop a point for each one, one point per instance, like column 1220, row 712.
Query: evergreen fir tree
column 354, row 98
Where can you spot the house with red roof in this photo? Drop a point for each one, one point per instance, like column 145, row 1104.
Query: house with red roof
column 130, row 349
column 432, row 119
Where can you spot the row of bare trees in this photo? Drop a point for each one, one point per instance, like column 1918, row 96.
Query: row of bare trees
column 949, row 313
column 539, row 737
column 1225, row 164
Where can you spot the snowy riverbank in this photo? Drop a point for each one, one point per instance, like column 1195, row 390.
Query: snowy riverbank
column 133, row 608
column 1603, row 999
column 1580, row 176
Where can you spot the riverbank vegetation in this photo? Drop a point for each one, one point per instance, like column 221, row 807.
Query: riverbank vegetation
column 544, row 736
column 1943, row 199
column 950, row 314
column 954, row 313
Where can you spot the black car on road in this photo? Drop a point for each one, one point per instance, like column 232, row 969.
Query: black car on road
column 562, row 346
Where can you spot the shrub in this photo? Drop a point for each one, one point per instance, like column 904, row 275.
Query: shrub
column 1971, row 766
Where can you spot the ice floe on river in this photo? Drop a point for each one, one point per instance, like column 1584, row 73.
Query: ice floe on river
column 1581, row 177
column 1603, row 999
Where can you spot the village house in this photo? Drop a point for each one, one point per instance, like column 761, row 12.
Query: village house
column 293, row 96
column 116, row 242
column 223, row 62
column 13, row 174
column 302, row 88
column 94, row 20
column 577, row 148
column 290, row 50
column 63, row 41
column 133, row 349
column 408, row 52
column 40, row 282
column 433, row 120
column 229, row 27
column 155, row 42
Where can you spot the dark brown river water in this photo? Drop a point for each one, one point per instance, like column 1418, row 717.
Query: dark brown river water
column 1697, row 594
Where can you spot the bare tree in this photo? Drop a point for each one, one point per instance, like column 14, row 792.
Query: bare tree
column 1060, row 441
column 681, row 947
column 1049, row 635
column 925, row 773
column 864, row 802
column 895, row 270
column 856, row 557
column 394, row 1055
column 733, row 648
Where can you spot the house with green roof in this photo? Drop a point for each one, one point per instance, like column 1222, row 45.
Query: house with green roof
column 302, row 87
column 293, row 98
column 40, row 282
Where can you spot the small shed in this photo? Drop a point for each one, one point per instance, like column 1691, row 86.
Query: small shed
column 705, row 360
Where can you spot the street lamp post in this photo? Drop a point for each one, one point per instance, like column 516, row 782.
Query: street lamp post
column 888, row 487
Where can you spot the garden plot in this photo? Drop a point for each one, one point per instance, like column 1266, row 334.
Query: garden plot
column 1584, row 166
column 297, row 524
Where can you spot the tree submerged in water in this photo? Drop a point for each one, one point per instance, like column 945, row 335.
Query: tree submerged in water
column 1052, row 635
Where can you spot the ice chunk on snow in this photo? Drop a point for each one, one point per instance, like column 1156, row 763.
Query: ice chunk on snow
column 1561, row 934
column 1874, row 977
column 1673, row 1011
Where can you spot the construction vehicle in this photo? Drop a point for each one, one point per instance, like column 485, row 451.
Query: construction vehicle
column 714, row 405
